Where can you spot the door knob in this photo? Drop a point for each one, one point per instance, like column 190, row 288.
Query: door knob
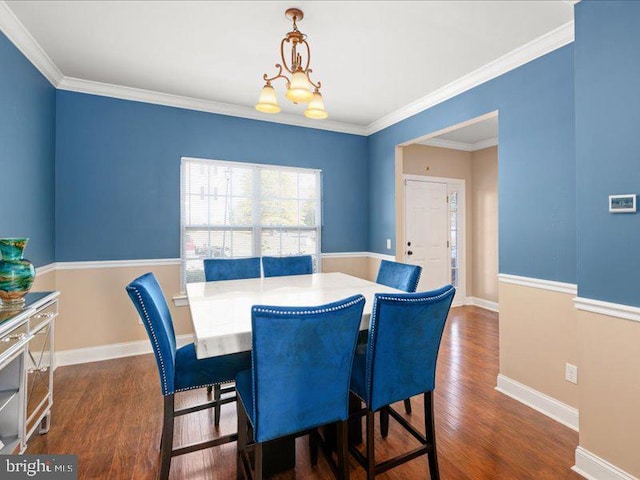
column 408, row 244
column 409, row 252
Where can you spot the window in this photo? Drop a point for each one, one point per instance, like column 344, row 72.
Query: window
column 453, row 241
column 235, row 210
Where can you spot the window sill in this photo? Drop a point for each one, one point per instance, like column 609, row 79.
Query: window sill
column 180, row 300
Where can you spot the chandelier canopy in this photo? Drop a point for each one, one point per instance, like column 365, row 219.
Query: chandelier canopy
column 296, row 74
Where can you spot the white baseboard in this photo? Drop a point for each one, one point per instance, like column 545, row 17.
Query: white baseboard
column 552, row 408
column 592, row 467
column 108, row 352
column 482, row 303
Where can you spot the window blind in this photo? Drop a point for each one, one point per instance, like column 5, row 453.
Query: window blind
column 236, row 210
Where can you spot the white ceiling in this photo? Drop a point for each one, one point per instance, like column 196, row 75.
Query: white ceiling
column 473, row 135
column 372, row 57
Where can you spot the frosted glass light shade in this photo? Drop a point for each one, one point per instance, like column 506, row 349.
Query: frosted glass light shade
column 268, row 103
column 300, row 89
column 316, row 109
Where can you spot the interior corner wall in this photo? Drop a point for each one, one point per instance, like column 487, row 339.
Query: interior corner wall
column 27, row 155
column 607, row 145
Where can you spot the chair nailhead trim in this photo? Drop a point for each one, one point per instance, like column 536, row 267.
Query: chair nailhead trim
column 421, row 299
column 202, row 386
column 308, row 312
column 165, row 389
column 280, row 312
column 415, row 287
column 369, row 367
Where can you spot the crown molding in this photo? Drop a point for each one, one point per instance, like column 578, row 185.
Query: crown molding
column 170, row 100
column 538, row 47
column 24, row 41
column 11, row 26
column 452, row 144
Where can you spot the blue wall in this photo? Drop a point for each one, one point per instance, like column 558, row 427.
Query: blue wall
column 27, row 136
column 536, row 166
column 608, row 148
column 118, row 174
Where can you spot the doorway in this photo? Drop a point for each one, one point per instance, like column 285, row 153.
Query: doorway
column 435, row 231
column 454, row 236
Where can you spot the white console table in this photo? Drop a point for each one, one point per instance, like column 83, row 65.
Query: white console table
column 26, row 373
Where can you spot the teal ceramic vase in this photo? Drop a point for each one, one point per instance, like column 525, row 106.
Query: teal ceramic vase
column 16, row 273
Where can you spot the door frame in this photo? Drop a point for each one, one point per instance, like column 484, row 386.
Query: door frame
column 453, row 184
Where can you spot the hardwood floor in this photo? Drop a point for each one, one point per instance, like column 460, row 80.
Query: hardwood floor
column 110, row 414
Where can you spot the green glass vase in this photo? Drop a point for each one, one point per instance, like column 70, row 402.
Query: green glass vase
column 16, row 273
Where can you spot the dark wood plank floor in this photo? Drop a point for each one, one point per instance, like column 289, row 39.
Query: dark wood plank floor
column 109, row 414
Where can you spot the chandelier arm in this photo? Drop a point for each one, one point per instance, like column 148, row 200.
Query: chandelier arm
column 306, row 68
column 276, row 76
column 284, row 61
column 315, row 85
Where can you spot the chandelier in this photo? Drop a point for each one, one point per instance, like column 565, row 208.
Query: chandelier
column 299, row 84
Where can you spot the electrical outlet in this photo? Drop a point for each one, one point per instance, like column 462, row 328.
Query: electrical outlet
column 388, row 244
column 571, row 373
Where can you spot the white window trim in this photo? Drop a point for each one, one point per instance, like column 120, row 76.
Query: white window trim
column 257, row 247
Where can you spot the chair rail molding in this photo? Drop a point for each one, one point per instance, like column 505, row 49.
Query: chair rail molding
column 617, row 310
column 561, row 287
column 592, row 467
column 549, row 406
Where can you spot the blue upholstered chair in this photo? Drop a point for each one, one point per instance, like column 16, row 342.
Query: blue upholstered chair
column 231, row 268
column 403, row 277
column 216, row 269
column 179, row 369
column 301, row 367
column 281, row 266
column 400, row 361
column 399, row 275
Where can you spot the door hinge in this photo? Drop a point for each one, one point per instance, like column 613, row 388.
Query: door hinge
column 447, row 243
column 447, row 198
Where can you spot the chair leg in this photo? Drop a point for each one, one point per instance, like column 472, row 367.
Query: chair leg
column 384, row 422
column 209, row 390
column 430, row 426
column 313, row 448
column 166, row 444
column 216, row 397
column 371, row 461
column 242, row 442
column 342, row 450
column 407, row 406
column 257, row 460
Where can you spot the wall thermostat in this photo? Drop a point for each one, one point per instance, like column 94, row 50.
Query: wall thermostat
column 622, row 203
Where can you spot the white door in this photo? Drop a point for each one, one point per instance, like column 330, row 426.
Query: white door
column 427, row 232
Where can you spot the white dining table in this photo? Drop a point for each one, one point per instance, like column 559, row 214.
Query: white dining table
column 221, row 310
